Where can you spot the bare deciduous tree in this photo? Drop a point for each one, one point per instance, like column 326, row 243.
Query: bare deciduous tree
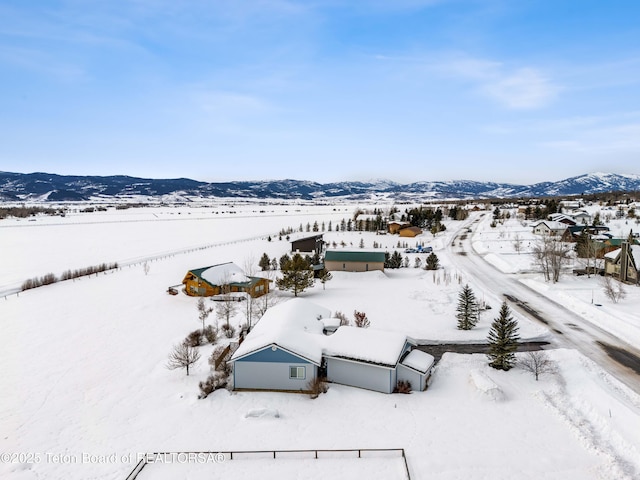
column 537, row 363
column 517, row 243
column 550, row 255
column 146, row 268
column 226, row 308
column 250, row 271
column 613, row 289
column 203, row 312
column 183, row 356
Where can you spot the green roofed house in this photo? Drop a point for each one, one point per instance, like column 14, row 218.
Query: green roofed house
column 353, row 261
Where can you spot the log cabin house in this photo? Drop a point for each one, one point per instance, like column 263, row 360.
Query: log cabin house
column 223, row 278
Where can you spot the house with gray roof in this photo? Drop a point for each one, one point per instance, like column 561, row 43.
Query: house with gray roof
column 290, row 347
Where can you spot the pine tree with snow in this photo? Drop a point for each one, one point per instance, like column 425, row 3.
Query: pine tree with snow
column 297, row 275
column 503, row 340
column 467, row 309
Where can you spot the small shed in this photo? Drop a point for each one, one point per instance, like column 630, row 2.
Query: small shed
column 353, row 260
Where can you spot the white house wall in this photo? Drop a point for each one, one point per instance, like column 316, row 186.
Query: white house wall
column 418, row 381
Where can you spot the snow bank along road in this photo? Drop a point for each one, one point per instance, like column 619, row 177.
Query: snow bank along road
column 569, row 329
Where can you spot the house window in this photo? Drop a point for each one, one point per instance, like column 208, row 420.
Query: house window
column 297, row 372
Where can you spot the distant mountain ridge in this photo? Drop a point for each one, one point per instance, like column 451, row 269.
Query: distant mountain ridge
column 55, row 188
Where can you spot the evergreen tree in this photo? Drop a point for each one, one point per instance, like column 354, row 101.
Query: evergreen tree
column 265, row 262
column 393, row 261
column 432, row 262
column 503, row 340
column 297, row 275
column 284, row 260
column 467, row 309
column 324, row 275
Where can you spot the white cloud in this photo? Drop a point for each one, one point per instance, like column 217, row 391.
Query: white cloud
column 522, row 88
column 525, row 88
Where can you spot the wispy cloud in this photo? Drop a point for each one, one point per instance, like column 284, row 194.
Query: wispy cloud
column 514, row 88
column 525, row 88
column 41, row 62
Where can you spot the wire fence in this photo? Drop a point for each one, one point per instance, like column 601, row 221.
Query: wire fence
column 317, row 454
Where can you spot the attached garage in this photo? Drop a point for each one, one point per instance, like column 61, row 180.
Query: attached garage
column 415, row 368
column 365, row 358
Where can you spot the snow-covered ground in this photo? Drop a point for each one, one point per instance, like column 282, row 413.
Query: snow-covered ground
column 84, row 367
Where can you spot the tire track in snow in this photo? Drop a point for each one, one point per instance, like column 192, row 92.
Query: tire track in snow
column 591, row 429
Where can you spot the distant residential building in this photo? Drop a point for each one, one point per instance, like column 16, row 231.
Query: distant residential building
column 623, row 263
column 550, row 228
column 312, row 244
column 410, row 232
column 223, row 278
column 353, row 260
column 395, row 226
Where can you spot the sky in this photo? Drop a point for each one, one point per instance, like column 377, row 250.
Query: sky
column 325, row 90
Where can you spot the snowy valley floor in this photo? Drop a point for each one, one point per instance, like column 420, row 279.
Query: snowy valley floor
column 83, row 372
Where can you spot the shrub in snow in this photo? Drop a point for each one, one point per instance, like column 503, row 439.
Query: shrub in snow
column 213, row 382
column 194, row 339
column 317, row 386
column 403, row 386
column 228, row 330
column 344, row 321
column 211, row 334
column 613, row 289
column 35, row 282
column 360, row 319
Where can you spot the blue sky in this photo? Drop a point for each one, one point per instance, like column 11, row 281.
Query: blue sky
column 504, row 90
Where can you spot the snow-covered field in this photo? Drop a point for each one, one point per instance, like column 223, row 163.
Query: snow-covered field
column 83, row 365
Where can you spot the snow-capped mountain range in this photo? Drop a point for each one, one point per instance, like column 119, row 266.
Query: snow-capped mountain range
column 55, row 188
